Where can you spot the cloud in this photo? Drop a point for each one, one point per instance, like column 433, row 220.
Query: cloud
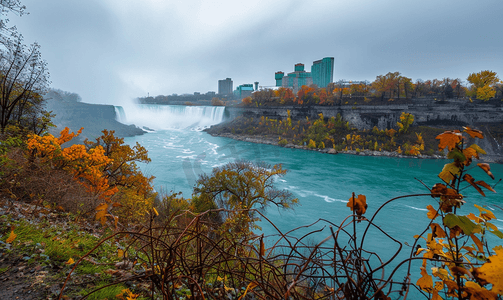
column 110, row 50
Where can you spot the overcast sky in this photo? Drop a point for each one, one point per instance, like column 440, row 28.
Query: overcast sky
column 109, row 51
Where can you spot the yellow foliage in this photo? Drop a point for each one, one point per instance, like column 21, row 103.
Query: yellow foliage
column 11, row 238
column 490, row 272
column 70, row 261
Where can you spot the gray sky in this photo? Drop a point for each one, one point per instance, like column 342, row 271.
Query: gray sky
column 109, row 51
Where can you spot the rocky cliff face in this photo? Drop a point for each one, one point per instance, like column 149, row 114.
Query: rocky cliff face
column 446, row 114
column 93, row 117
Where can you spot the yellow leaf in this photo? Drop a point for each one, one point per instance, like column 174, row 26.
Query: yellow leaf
column 11, row 237
column 70, row 261
column 440, row 273
column 490, row 272
column 426, row 281
column 101, row 212
column 121, row 253
column 432, row 213
column 435, row 295
column 485, row 213
column 477, row 292
column 227, row 288
column 448, row 172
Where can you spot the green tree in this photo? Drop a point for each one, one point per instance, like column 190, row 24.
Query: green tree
column 239, row 187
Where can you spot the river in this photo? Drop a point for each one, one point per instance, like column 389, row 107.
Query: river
column 323, row 183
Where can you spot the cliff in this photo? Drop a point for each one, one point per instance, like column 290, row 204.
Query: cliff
column 93, row 117
column 450, row 114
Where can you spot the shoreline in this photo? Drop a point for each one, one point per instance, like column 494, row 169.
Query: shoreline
column 272, row 141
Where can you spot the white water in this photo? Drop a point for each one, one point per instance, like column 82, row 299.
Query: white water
column 163, row 117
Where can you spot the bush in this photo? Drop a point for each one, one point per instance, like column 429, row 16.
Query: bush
column 311, row 145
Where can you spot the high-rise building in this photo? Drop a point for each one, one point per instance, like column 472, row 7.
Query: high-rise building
column 295, row 79
column 225, row 87
column 322, row 71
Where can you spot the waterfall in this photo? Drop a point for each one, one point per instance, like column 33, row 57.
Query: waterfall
column 159, row 117
column 120, row 115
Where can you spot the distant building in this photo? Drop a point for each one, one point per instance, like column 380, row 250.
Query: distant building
column 243, row 91
column 211, row 94
column 322, row 72
column 279, row 78
column 225, row 87
column 297, row 78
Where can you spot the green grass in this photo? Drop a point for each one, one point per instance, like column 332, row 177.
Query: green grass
column 105, row 293
column 52, row 245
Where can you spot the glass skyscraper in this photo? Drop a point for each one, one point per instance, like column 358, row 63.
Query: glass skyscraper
column 322, row 71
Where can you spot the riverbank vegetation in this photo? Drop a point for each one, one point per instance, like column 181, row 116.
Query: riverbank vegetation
column 335, row 133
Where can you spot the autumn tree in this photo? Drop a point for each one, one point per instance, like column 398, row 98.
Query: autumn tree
column 406, row 119
column 285, row 95
column 485, row 81
column 240, row 187
column 265, row 96
column 217, row 102
column 389, row 83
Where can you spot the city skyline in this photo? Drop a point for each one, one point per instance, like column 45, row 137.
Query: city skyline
column 109, row 51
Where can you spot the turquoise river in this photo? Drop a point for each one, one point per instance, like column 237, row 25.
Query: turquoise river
column 323, row 183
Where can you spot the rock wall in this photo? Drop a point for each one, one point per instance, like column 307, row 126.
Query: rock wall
column 93, row 117
column 386, row 116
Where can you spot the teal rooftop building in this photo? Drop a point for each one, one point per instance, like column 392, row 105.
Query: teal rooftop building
column 243, row 91
column 295, row 79
column 322, row 73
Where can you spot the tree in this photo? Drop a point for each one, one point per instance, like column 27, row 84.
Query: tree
column 406, row 119
column 387, row 83
column 240, row 187
column 23, row 73
column 7, row 6
column 484, row 80
column 485, row 93
column 217, row 102
column 263, row 96
column 123, row 171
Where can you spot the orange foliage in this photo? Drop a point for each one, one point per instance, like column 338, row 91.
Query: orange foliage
column 85, row 165
column 358, row 204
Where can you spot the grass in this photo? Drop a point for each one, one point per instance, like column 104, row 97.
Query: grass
column 49, row 245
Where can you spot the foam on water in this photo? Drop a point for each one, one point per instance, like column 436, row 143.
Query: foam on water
column 161, row 117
